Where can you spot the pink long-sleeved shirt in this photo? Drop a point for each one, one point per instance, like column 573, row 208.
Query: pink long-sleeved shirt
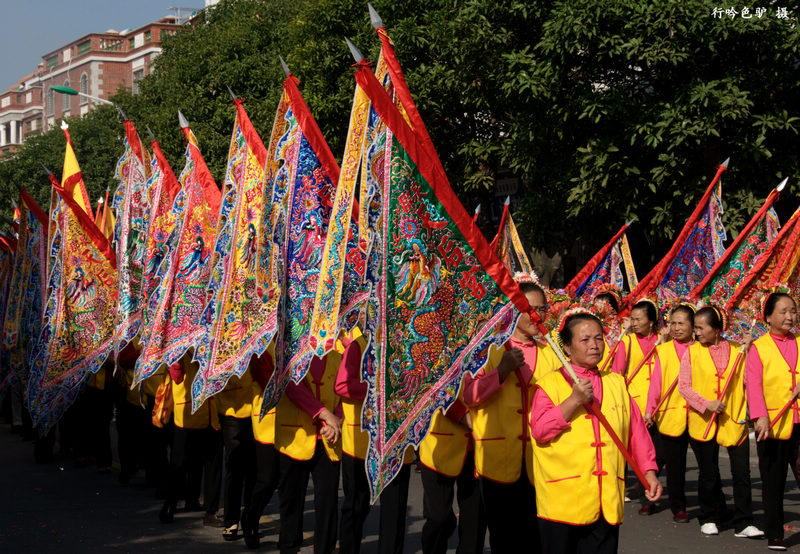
column 754, row 375
column 656, row 381
column 720, row 354
column 484, row 385
column 547, row 421
column 620, row 363
column 302, row 396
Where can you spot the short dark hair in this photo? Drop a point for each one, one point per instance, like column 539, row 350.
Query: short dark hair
column 772, row 301
column 571, row 321
column 528, row 287
column 713, row 317
column 610, row 298
column 684, row 309
column 649, row 308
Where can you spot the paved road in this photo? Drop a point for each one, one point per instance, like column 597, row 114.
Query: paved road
column 56, row 507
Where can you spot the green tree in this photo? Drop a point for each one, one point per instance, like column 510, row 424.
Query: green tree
column 603, row 109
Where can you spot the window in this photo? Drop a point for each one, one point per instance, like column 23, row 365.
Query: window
column 147, row 36
column 52, row 61
column 138, row 75
column 51, row 102
column 84, row 88
column 28, row 126
column 84, row 47
column 66, row 100
column 28, row 97
column 131, row 43
column 111, row 44
column 33, row 124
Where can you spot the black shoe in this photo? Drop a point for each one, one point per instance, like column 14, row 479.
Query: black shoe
column 250, row 532
column 167, row 513
column 211, row 520
column 231, row 533
column 776, row 544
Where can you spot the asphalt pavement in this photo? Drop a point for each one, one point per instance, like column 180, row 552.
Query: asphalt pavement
column 56, row 507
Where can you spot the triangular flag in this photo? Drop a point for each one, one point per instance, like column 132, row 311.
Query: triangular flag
column 175, row 324
column 694, row 252
column 130, row 238
column 739, row 257
column 241, row 313
column 71, row 177
column 602, row 270
column 439, row 297
column 78, row 323
column 508, row 246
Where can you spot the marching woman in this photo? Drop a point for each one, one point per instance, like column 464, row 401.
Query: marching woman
column 448, row 461
column 499, row 401
column 355, row 506
column 712, row 382
column 772, row 390
column 668, row 411
column 267, row 461
column 579, row 471
column 308, row 429
column 635, row 361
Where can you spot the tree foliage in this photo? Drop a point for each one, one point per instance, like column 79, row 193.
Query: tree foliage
column 604, row 109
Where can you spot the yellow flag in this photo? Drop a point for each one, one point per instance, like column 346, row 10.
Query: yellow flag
column 72, row 178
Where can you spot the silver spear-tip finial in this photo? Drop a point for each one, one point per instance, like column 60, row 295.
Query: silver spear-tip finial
column 374, row 18
column 182, row 120
column 357, row 55
column 286, row 70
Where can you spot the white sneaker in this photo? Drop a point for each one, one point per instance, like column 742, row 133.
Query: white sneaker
column 709, row 529
column 627, row 499
column 749, row 532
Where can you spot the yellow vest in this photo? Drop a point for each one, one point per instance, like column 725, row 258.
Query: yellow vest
column 641, row 381
column 672, row 416
column 500, row 425
column 354, row 439
column 708, row 384
column 236, row 399
column 778, row 383
column 205, row 416
column 131, row 395
column 264, row 430
column 606, row 355
column 98, row 380
column 570, row 486
column 151, row 384
column 445, row 447
column 295, row 431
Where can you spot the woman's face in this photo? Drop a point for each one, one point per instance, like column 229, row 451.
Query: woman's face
column 639, row 322
column 539, row 305
column 680, row 327
column 586, row 347
column 705, row 333
column 783, row 317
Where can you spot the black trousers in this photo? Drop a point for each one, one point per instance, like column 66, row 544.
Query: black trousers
column 437, row 508
column 509, row 508
column 97, row 409
column 355, row 506
column 709, row 485
column 292, row 495
column 240, row 466
column 599, row 537
column 774, row 457
column 132, row 423
column 674, row 449
column 267, row 477
column 742, row 492
column 392, row 521
column 157, row 441
column 196, row 452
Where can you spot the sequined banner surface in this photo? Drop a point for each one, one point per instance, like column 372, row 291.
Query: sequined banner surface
column 7, row 376
column 698, row 254
column 174, row 322
column 240, row 317
column 308, row 202
column 433, row 309
column 130, row 236
column 608, row 273
column 78, row 323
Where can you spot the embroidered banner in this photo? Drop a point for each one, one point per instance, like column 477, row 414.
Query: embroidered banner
column 508, row 246
column 78, row 323
column 174, row 314
column 602, row 270
column 130, row 236
column 241, row 316
column 439, row 298
column 7, row 376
